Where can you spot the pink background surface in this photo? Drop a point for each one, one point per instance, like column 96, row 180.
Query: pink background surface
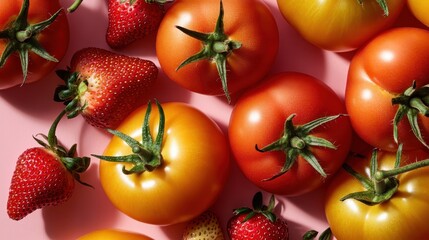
column 30, row 110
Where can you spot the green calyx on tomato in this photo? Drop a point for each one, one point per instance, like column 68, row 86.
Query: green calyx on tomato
column 146, row 155
column 22, row 38
column 383, row 5
column 216, row 47
column 412, row 102
column 382, row 184
column 296, row 141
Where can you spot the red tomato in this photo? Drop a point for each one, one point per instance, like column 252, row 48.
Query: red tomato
column 404, row 216
column 248, row 22
column 259, row 119
column 193, row 170
column 53, row 39
column 339, row 25
column 381, row 71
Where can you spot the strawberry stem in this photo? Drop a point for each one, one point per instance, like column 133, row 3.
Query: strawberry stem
column 146, row 155
column 73, row 164
column 74, row 6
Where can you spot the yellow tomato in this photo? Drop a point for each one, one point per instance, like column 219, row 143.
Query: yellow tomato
column 193, row 170
column 113, row 234
column 339, row 25
column 403, row 216
column 419, row 8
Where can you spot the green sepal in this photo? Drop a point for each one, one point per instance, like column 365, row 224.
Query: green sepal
column 75, row 165
column 21, row 37
column 380, row 186
column 216, row 47
column 70, row 92
column 411, row 103
column 370, row 197
column 312, row 234
column 258, row 207
column 146, row 155
column 296, row 141
column 326, row 235
column 383, row 5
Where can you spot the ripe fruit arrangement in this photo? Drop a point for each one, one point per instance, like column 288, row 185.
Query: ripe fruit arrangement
column 26, row 109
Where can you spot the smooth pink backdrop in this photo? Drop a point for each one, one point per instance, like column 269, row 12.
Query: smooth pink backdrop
column 29, row 110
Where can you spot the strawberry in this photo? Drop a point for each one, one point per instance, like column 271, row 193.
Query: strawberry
column 258, row 223
column 44, row 175
column 130, row 20
column 104, row 87
column 204, row 227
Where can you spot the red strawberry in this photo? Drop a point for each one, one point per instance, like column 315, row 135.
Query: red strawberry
column 204, row 227
column 104, row 87
column 130, row 20
column 44, row 175
column 258, row 223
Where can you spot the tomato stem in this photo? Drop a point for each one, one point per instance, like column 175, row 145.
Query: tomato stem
column 146, row 155
column 297, row 141
column 21, row 38
column 382, row 184
column 411, row 102
column 384, row 174
column 23, row 35
column 216, row 47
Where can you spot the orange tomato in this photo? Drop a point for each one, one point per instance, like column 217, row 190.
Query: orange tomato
column 193, row 171
column 113, row 234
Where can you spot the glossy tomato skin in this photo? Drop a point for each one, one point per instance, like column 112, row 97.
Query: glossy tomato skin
column 258, row 118
column 113, row 234
column 339, row 25
column 54, row 39
column 194, row 170
column 404, row 216
column 247, row 21
column 419, row 9
column 380, row 71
